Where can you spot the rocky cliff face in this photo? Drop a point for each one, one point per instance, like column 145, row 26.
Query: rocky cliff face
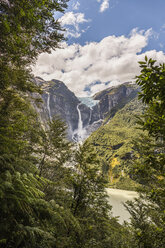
column 114, row 98
column 81, row 115
column 59, row 101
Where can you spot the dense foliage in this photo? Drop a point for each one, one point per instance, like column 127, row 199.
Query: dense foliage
column 148, row 213
column 52, row 194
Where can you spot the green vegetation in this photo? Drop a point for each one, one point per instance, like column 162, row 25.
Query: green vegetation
column 148, row 213
column 113, row 143
column 52, row 194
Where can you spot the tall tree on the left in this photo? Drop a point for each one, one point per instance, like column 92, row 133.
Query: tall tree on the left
column 27, row 29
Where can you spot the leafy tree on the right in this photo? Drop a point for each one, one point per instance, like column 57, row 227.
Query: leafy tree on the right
column 148, row 168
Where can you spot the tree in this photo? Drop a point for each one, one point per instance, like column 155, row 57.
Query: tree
column 149, row 165
column 55, row 154
column 27, row 29
column 90, row 201
column 152, row 152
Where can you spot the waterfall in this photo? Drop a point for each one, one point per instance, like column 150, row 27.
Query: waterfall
column 80, row 133
column 80, row 130
column 48, row 106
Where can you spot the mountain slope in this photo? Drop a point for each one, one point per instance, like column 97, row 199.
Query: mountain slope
column 109, row 117
column 113, row 143
column 114, row 98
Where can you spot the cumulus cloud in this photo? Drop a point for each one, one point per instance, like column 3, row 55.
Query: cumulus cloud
column 104, row 5
column 72, row 22
column 113, row 60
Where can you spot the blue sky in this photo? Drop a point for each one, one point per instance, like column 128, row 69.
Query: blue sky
column 106, row 39
column 120, row 18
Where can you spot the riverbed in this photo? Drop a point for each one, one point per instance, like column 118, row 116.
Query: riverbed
column 116, row 198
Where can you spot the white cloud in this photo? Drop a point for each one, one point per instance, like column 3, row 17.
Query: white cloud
column 70, row 18
column 72, row 21
column 104, row 5
column 113, row 60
